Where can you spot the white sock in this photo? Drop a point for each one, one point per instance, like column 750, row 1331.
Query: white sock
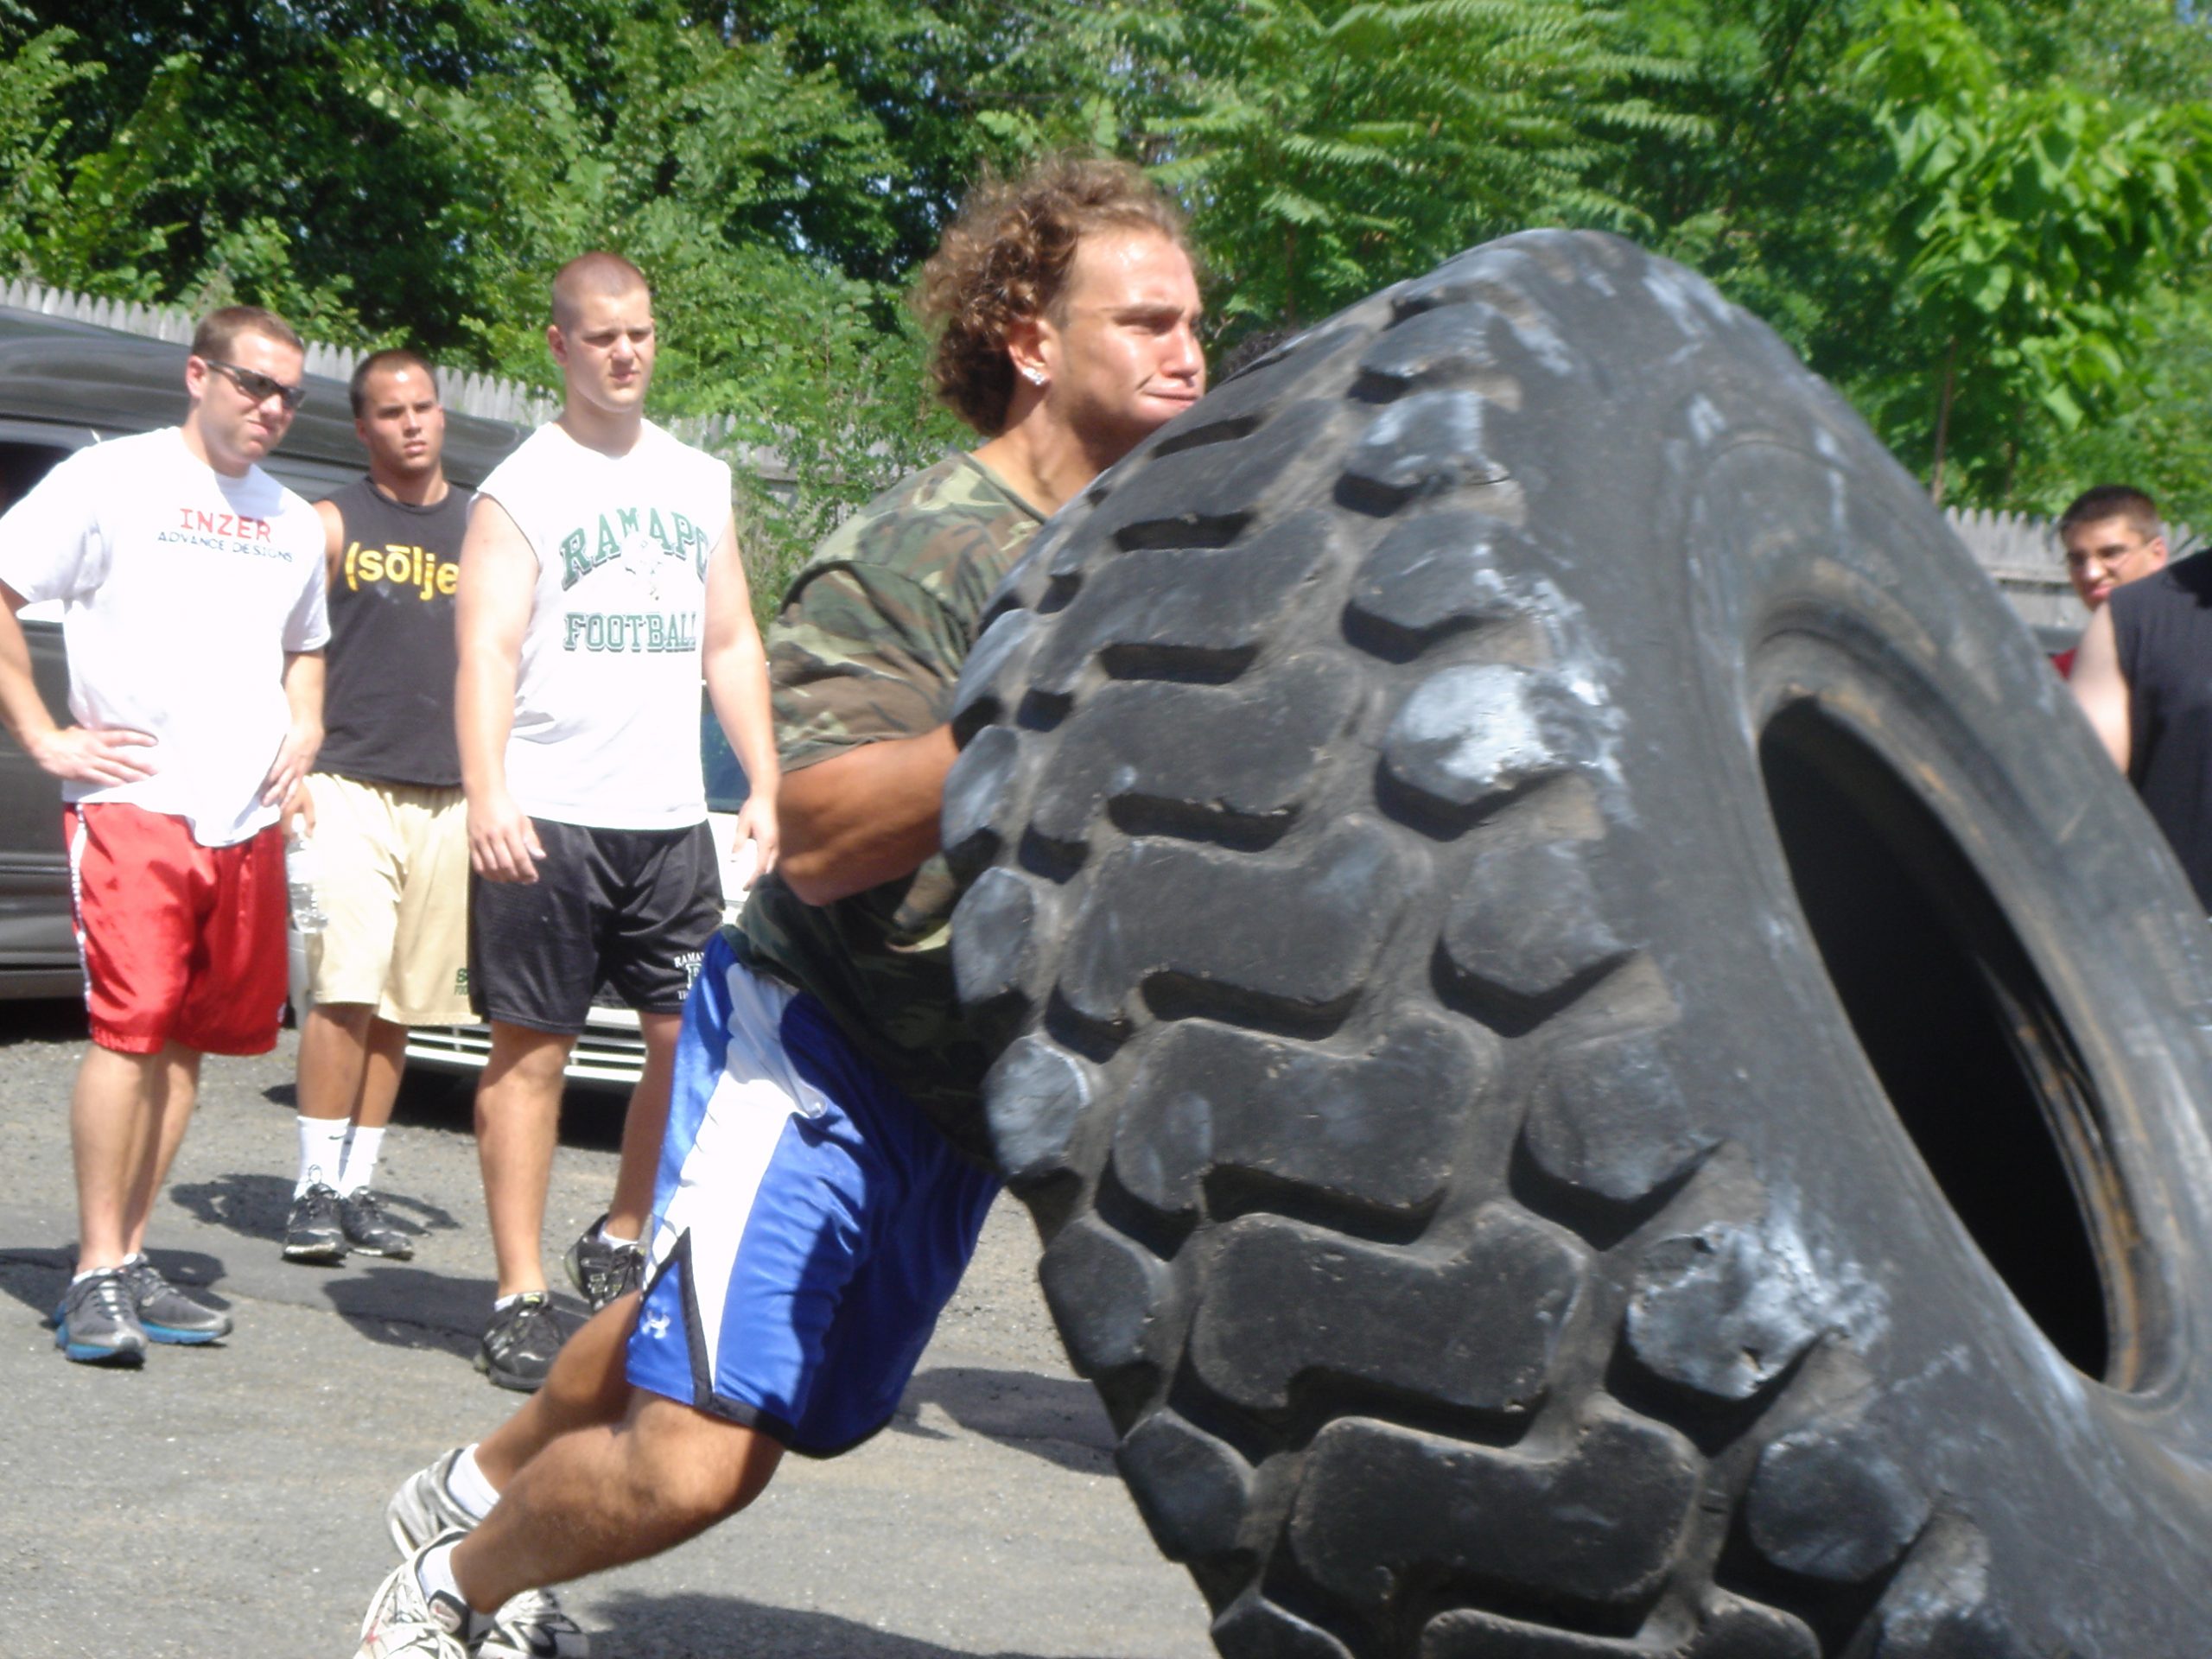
column 605, row 1237
column 434, row 1571
column 360, row 1166
column 466, row 1485
column 322, row 1153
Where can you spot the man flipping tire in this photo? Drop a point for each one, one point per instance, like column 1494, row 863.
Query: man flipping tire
column 826, row 1089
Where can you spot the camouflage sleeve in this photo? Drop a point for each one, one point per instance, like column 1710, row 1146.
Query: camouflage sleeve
column 859, row 654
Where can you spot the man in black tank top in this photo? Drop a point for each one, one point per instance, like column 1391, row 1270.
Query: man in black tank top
column 387, row 825
column 2144, row 676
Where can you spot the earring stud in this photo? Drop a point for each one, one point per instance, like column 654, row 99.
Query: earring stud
column 1033, row 375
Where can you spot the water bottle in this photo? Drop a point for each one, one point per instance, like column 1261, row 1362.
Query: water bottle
column 301, row 873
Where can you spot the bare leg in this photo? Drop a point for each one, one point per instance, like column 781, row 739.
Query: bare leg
column 111, row 1134
column 586, row 1389
column 127, row 1117
column 605, row 1495
column 386, row 1063
column 177, row 1089
column 517, row 1124
column 334, row 1053
column 643, row 1126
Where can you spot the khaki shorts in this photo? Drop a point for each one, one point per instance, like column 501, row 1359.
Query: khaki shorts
column 394, row 882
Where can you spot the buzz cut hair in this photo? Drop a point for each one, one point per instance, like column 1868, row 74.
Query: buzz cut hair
column 596, row 272
column 397, row 357
column 219, row 331
column 2103, row 501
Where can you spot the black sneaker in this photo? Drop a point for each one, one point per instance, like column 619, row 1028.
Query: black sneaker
column 168, row 1313
column 368, row 1229
column 96, row 1324
column 313, row 1230
column 602, row 1271
column 520, row 1343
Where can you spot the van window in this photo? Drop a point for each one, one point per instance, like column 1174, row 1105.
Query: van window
column 22, row 465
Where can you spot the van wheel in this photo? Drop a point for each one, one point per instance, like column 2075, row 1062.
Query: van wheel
column 1603, row 1066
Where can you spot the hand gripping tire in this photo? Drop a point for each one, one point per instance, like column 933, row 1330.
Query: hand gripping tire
column 1603, row 1066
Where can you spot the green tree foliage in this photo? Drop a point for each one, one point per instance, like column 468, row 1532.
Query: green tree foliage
column 1325, row 148
column 2029, row 224
column 33, row 80
column 2157, row 431
column 1980, row 216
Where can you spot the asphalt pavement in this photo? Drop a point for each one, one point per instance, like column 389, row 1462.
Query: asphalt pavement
column 228, row 1500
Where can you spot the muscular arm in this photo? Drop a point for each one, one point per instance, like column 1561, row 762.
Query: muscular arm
column 70, row 751
column 2099, row 687
column 864, row 817
column 736, row 670
column 499, row 575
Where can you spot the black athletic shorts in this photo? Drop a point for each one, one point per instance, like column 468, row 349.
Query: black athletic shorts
column 631, row 909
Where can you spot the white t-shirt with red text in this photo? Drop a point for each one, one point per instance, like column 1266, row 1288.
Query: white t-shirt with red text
column 182, row 591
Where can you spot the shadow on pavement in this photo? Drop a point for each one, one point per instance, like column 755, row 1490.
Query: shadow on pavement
column 254, row 1206
column 36, row 1275
column 412, row 1307
column 52, row 1020
column 729, row 1627
column 1057, row 1419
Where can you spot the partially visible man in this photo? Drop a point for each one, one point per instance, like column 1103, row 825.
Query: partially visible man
column 601, row 574
column 826, row 1169
column 192, row 591
column 389, row 825
column 2144, row 672
column 2111, row 535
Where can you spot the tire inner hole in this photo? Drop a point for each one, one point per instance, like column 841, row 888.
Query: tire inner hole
column 1952, row 1018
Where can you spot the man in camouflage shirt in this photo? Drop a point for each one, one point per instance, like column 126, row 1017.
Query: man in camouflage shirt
column 825, row 1172
column 870, row 643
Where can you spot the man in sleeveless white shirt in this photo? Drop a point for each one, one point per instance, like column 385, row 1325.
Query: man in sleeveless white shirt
column 192, row 591
column 600, row 575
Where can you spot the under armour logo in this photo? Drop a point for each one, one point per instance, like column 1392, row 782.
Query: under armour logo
column 655, row 1325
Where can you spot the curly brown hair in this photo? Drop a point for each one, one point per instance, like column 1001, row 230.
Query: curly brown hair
column 1005, row 258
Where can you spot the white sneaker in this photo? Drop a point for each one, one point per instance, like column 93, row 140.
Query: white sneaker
column 404, row 1624
column 532, row 1626
column 424, row 1506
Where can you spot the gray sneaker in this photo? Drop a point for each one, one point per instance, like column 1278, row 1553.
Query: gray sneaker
column 169, row 1313
column 521, row 1342
column 600, row 1271
column 532, row 1625
column 313, row 1230
column 369, row 1230
column 97, row 1323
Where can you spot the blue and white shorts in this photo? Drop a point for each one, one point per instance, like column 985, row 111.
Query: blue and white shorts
column 810, row 1224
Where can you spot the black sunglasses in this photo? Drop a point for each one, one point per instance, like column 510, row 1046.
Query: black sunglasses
column 259, row 387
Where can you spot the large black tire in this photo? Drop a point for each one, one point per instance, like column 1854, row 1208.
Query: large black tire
column 1605, row 1068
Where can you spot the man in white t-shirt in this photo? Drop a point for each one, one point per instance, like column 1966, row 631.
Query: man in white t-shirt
column 191, row 585
column 599, row 577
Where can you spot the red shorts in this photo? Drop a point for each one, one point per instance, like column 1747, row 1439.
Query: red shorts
column 181, row 942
